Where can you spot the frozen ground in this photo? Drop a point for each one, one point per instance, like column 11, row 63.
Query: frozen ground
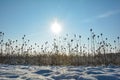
column 22, row 72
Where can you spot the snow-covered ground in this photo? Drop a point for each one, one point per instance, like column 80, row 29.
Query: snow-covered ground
column 22, row 72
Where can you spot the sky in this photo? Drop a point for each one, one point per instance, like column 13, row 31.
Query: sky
column 34, row 17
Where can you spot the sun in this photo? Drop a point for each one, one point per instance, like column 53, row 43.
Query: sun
column 56, row 27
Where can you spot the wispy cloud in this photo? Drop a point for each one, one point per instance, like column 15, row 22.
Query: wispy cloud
column 108, row 14
column 101, row 16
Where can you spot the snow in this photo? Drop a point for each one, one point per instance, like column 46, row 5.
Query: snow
column 27, row 72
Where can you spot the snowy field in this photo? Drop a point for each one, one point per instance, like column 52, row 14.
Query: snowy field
column 22, row 72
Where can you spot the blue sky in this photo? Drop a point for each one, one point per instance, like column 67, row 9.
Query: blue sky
column 33, row 18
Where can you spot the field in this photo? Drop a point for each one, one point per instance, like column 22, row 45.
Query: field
column 23, row 72
column 63, row 59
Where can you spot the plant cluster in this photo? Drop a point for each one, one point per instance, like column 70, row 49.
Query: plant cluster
column 63, row 51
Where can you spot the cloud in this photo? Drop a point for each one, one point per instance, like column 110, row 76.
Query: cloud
column 108, row 14
column 101, row 16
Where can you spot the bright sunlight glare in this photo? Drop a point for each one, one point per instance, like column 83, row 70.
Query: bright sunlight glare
column 56, row 27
